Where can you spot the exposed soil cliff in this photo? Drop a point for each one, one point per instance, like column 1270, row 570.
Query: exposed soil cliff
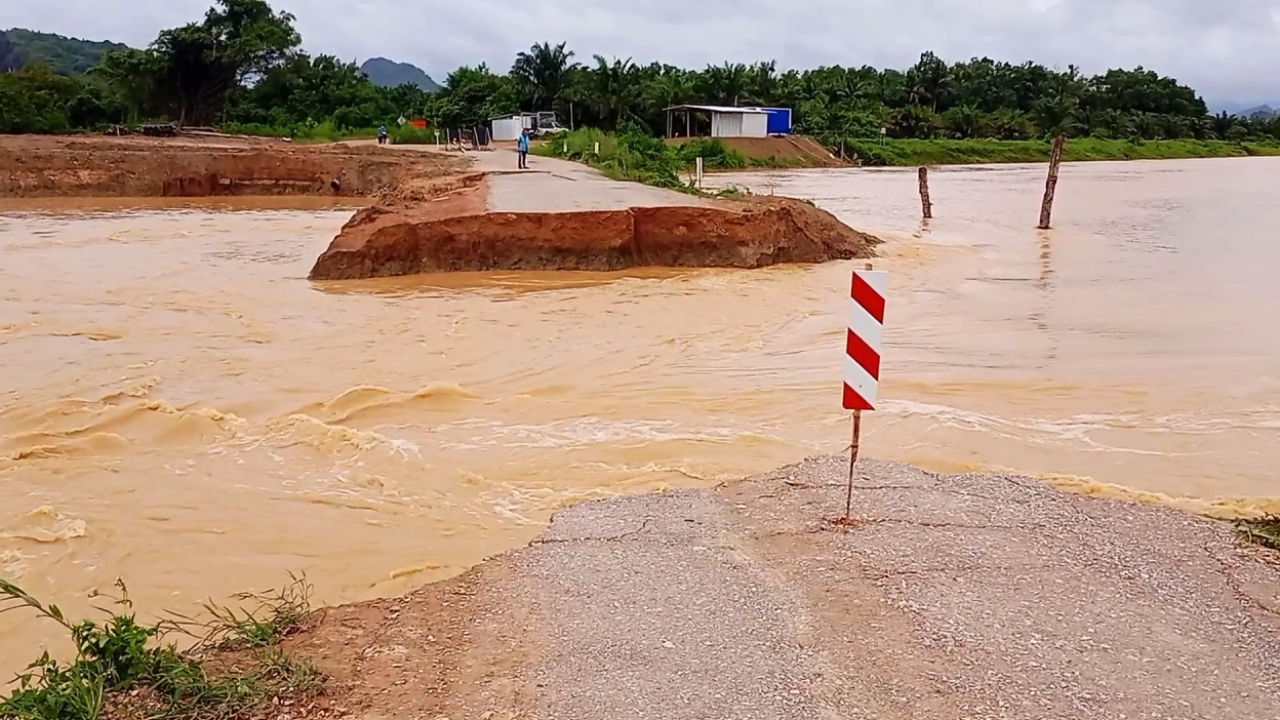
column 38, row 166
column 787, row 151
column 446, row 228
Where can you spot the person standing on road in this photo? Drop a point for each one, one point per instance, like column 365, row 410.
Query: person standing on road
column 382, row 134
column 522, row 146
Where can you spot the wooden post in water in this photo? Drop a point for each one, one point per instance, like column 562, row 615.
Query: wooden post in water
column 926, row 206
column 1051, row 183
column 855, row 441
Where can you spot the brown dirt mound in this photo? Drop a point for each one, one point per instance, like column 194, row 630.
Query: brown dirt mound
column 451, row 232
column 790, row 151
column 35, row 166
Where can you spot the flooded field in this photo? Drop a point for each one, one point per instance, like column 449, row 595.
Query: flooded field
column 181, row 408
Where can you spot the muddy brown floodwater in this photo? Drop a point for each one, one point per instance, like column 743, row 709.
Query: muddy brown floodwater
column 181, row 408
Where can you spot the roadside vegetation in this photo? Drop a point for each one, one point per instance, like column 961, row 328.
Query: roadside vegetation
column 241, row 67
column 409, row 135
column 634, row 154
column 980, row 150
column 1264, row 531
column 301, row 132
column 128, row 670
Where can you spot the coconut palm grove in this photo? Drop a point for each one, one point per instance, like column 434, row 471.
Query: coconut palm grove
column 241, row 67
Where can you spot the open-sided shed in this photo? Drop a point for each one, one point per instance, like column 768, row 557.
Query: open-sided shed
column 725, row 121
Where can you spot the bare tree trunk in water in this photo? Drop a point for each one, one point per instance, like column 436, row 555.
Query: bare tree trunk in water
column 926, row 206
column 1051, row 183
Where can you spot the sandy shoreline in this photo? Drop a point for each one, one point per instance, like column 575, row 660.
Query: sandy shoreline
column 971, row 596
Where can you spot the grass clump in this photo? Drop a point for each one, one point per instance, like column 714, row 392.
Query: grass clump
column 1264, row 531
column 983, row 151
column 269, row 618
column 125, row 669
column 410, row 135
column 733, row 192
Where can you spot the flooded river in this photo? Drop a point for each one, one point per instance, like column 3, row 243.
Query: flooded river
column 182, row 408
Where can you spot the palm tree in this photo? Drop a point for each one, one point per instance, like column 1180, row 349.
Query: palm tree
column 762, row 81
column 671, row 85
column 613, row 90
column 543, row 73
column 727, row 83
column 964, row 121
column 931, row 83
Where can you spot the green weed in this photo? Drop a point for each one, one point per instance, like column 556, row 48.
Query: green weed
column 633, row 154
column 1264, row 531
column 733, row 192
column 133, row 670
column 264, row 618
column 410, row 135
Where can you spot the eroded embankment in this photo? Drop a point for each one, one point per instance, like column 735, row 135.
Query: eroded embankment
column 446, row 228
column 34, row 167
column 975, row 596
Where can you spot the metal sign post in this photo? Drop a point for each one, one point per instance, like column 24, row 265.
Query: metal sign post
column 863, row 341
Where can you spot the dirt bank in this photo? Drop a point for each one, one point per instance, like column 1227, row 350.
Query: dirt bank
column 973, row 596
column 446, row 226
column 99, row 166
column 792, row 151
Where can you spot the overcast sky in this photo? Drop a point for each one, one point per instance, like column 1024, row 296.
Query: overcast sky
column 1226, row 49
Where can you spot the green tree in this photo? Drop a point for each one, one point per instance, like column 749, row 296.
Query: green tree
column 239, row 41
column 471, row 96
column 133, row 74
column 240, row 62
column 542, row 74
column 930, row 83
column 613, row 89
column 726, row 84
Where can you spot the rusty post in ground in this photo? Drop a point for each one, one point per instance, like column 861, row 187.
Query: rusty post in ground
column 855, row 441
column 1051, row 183
column 926, row 207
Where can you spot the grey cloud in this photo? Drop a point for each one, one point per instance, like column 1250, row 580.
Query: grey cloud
column 1226, row 49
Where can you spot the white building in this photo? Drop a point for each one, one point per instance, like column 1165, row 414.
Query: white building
column 725, row 121
column 509, row 127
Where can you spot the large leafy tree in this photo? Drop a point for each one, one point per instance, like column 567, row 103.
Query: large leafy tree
column 314, row 89
column 470, row 96
column 134, row 75
column 239, row 41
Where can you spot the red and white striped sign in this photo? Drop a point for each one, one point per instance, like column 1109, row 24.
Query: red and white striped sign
column 862, row 345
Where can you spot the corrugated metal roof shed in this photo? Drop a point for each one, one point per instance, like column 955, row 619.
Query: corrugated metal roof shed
column 722, row 109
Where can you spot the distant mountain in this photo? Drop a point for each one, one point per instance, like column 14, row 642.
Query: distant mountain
column 388, row 73
column 1245, row 109
column 64, row 55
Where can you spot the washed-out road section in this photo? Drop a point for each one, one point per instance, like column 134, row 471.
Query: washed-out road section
column 559, row 215
column 957, row 597
column 554, row 185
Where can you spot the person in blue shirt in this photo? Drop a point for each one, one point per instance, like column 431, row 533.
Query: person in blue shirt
column 522, row 145
column 382, row 134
